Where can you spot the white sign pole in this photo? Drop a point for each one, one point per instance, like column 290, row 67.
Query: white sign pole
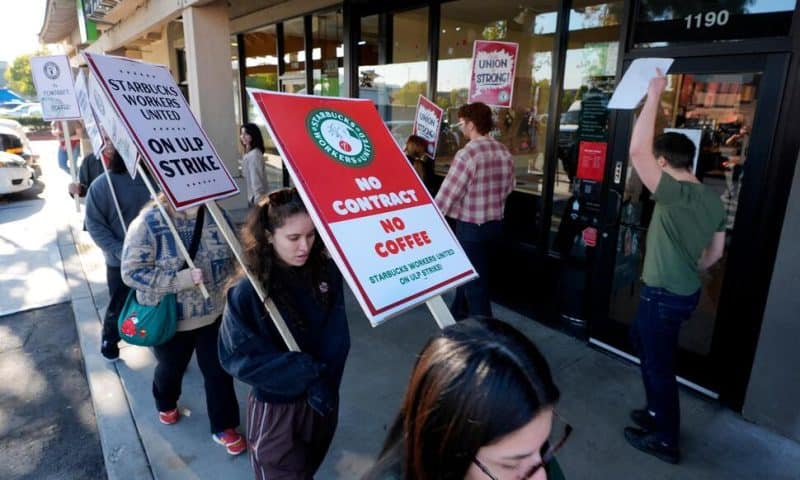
column 272, row 309
column 70, row 160
column 168, row 220
column 440, row 312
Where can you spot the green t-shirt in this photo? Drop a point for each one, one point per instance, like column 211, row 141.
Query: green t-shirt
column 684, row 221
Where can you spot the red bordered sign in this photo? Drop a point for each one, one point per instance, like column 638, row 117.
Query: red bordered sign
column 378, row 221
column 427, row 123
column 494, row 65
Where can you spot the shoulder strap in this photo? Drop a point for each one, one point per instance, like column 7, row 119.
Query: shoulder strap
column 198, row 232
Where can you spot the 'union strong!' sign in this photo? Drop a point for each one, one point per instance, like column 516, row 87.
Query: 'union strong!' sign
column 340, row 138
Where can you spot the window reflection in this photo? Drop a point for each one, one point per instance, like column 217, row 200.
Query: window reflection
column 327, row 53
column 393, row 66
column 522, row 128
column 589, row 80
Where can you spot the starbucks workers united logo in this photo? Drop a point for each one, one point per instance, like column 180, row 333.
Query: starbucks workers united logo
column 339, row 137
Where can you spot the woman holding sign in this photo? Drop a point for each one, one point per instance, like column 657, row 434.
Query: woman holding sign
column 293, row 406
column 152, row 265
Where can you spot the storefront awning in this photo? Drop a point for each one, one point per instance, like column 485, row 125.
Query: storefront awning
column 60, row 20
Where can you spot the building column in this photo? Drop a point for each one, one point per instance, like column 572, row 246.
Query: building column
column 207, row 40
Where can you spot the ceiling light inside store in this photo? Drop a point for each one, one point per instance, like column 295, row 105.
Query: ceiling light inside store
column 362, row 42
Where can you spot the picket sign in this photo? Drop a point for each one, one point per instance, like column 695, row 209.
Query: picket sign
column 236, row 247
column 92, row 129
column 379, row 223
column 52, row 76
column 126, row 84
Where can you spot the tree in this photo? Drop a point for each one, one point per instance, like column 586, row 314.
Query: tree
column 19, row 78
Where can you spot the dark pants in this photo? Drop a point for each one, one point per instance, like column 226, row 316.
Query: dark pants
column 118, row 293
column 287, row 441
column 174, row 356
column 477, row 241
column 655, row 336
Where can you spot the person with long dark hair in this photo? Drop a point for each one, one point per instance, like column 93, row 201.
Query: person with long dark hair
column 255, row 175
column 293, row 406
column 479, row 405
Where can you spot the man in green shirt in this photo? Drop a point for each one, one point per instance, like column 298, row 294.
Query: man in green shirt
column 686, row 235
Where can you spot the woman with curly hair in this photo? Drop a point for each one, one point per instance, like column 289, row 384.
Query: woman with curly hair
column 293, row 405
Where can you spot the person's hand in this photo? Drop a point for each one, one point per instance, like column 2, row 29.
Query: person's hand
column 657, row 84
column 321, row 398
column 74, row 188
column 197, row 276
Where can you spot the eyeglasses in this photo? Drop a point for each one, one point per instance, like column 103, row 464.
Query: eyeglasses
column 547, row 457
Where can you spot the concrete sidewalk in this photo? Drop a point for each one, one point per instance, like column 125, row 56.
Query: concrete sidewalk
column 597, row 393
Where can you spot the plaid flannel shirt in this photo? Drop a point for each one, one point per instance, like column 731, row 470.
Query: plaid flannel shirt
column 478, row 182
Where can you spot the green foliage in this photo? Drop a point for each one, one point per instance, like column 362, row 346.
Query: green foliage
column 409, row 93
column 19, row 78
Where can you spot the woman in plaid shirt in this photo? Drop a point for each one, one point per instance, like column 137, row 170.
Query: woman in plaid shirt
column 474, row 194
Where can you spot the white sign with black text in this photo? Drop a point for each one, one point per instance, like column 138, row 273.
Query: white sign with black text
column 112, row 125
column 89, row 123
column 165, row 130
column 52, row 77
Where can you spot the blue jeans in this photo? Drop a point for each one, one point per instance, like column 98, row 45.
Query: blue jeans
column 63, row 158
column 655, row 337
column 477, row 240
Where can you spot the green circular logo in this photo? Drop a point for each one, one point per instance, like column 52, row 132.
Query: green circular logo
column 339, row 137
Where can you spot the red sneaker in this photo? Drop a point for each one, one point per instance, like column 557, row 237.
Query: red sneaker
column 169, row 417
column 232, row 440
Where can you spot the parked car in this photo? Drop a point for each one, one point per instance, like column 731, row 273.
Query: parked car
column 25, row 110
column 15, row 175
column 14, row 140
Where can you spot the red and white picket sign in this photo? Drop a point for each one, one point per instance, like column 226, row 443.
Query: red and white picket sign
column 378, row 221
column 427, row 122
column 494, row 65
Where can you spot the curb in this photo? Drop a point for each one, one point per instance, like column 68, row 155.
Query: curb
column 123, row 452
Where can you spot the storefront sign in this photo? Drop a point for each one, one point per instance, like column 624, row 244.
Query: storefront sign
column 592, row 160
column 493, row 67
column 89, row 122
column 111, row 124
column 427, row 122
column 377, row 219
column 711, row 20
column 52, row 77
column 165, row 130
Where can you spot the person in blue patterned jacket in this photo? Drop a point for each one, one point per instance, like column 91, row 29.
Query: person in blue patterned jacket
column 153, row 266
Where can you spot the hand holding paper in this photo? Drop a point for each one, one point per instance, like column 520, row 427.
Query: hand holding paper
column 637, row 81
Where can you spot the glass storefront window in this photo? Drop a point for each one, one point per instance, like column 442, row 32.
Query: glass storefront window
column 589, row 81
column 660, row 23
column 393, row 66
column 293, row 79
column 327, row 53
column 522, row 128
column 261, row 71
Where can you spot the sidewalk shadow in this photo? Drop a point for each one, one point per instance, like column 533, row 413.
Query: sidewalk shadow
column 49, row 429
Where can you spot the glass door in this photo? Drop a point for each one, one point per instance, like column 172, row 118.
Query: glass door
column 721, row 104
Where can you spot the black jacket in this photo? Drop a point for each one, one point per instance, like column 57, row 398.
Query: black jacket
column 252, row 350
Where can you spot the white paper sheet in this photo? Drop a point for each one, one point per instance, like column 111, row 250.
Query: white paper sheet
column 633, row 86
